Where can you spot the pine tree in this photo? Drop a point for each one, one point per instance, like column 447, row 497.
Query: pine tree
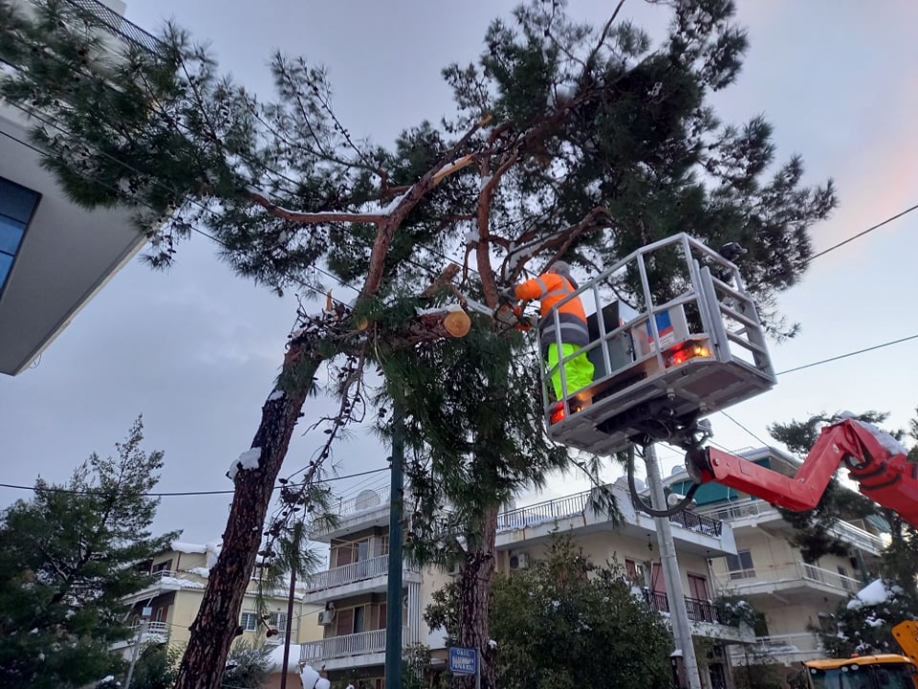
column 568, row 141
column 67, row 559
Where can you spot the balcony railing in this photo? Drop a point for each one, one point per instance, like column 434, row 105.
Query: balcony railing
column 349, row 645
column 697, row 522
column 788, row 647
column 573, row 505
column 119, row 27
column 798, row 571
column 154, row 629
column 843, row 530
column 359, row 504
column 543, row 512
column 354, row 572
column 698, row 610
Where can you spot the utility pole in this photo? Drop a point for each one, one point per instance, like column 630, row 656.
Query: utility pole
column 678, row 614
column 135, row 652
column 393, row 667
column 289, row 628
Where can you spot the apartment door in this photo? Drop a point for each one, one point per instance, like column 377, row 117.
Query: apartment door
column 658, row 588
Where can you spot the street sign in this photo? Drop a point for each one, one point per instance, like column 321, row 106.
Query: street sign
column 463, row 661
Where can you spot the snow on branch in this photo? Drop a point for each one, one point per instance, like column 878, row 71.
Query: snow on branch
column 247, row 460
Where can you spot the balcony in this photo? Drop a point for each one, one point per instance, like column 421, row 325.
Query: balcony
column 749, row 513
column 697, row 533
column 703, row 615
column 116, row 25
column 352, row 650
column 370, row 508
column 165, row 581
column 780, row 648
column 156, row 633
column 798, row 579
column 365, row 576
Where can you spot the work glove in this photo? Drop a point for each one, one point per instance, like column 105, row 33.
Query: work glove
column 508, row 293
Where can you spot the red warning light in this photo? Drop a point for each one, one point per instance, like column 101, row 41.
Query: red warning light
column 557, row 414
column 686, row 351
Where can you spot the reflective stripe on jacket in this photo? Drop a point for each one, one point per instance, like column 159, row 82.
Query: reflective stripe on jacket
column 551, row 288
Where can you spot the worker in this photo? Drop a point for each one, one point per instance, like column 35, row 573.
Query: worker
column 550, row 288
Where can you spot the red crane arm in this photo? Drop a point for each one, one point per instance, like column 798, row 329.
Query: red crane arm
column 873, row 458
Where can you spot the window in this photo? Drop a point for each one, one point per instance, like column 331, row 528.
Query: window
column 17, row 205
column 249, row 622
column 278, row 621
column 740, row 565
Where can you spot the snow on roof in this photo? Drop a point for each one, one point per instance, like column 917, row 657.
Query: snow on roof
column 182, row 583
column 188, row 548
column 874, row 593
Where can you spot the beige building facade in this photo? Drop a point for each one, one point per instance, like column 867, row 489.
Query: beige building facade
column 352, row 591
column 163, row 612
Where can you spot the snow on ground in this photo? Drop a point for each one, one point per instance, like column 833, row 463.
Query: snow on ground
column 873, row 594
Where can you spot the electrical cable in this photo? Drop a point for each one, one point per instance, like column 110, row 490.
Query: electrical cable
column 845, row 356
column 864, row 232
column 177, row 494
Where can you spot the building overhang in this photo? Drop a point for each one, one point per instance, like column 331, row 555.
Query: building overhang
column 68, row 253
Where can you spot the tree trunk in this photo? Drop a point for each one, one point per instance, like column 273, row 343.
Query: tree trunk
column 217, row 621
column 475, row 599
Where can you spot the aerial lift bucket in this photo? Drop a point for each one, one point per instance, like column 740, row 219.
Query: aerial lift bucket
column 666, row 353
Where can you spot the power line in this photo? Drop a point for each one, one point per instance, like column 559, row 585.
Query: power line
column 54, row 489
column 845, row 356
column 744, row 428
column 862, row 233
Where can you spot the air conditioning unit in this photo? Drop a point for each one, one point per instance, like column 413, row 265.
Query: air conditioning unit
column 326, row 617
column 519, row 561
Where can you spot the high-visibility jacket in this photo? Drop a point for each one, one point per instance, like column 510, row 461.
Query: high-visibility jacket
column 551, row 288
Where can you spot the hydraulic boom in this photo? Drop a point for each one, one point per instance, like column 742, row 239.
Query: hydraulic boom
column 874, row 459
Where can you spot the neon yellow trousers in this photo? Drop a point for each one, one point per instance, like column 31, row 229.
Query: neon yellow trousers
column 578, row 372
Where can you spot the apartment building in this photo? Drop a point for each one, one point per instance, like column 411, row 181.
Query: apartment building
column 55, row 256
column 353, row 590
column 171, row 603
column 771, row 574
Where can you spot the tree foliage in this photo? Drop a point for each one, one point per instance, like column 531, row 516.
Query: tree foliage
column 568, row 622
column 247, row 665
column 568, row 141
column 67, row 559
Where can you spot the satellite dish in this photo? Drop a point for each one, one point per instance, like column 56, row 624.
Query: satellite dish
column 366, row 499
column 678, row 469
column 639, row 484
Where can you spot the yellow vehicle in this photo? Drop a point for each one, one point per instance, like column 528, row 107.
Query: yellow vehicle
column 882, row 671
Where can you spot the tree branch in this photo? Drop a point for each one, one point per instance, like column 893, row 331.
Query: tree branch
column 313, row 218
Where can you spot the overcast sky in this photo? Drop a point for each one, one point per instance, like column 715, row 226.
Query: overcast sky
column 196, row 350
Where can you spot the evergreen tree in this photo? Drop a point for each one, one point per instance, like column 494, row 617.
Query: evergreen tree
column 247, row 666
column 569, row 141
column 67, row 559
column 567, row 622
